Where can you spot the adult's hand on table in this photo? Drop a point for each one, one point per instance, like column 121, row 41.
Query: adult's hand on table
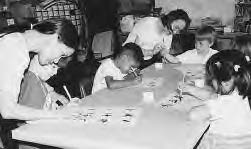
column 167, row 58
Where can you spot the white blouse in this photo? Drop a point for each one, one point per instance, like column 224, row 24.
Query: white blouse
column 14, row 59
column 147, row 33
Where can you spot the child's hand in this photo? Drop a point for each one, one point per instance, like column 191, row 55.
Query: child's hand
column 74, row 102
column 132, row 75
column 57, row 98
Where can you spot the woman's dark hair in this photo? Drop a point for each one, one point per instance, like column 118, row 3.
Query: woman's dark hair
column 176, row 15
column 228, row 64
column 66, row 31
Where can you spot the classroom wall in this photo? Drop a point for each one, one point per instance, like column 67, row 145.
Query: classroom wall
column 197, row 9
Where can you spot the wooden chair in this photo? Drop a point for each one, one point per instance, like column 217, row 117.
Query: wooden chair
column 6, row 125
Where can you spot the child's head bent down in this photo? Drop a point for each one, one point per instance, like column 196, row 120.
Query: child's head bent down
column 205, row 38
column 130, row 56
column 227, row 71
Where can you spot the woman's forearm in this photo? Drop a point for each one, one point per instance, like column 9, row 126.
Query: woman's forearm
column 11, row 110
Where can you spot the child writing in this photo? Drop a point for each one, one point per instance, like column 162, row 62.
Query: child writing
column 204, row 39
column 229, row 114
column 35, row 92
column 111, row 73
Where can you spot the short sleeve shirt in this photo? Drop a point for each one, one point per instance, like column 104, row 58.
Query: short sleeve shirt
column 230, row 114
column 107, row 68
column 192, row 57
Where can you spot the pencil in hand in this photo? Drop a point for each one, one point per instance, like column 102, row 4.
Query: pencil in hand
column 67, row 92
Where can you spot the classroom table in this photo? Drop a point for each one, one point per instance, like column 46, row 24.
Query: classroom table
column 156, row 128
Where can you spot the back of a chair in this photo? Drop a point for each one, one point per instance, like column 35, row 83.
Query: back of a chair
column 5, row 132
column 103, row 44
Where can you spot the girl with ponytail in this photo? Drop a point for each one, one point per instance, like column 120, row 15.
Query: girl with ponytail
column 229, row 114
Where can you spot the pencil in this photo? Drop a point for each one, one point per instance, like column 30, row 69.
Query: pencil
column 67, row 92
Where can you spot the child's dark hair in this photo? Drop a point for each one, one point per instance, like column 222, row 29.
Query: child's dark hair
column 66, row 31
column 228, row 64
column 132, row 50
column 206, row 33
column 178, row 14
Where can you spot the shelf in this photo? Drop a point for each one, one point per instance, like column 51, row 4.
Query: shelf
column 243, row 4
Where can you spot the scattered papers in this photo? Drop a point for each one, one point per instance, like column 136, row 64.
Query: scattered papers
column 170, row 100
column 101, row 116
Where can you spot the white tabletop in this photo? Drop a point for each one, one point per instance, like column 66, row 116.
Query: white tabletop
column 156, row 127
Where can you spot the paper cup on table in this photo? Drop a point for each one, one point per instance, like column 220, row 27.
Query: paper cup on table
column 199, row 83
column 158, row 66
column 148, row 97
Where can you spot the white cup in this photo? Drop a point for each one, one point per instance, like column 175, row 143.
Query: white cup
column 199, row 83
column 227, row 29
column 158, row 66
column 148, row 97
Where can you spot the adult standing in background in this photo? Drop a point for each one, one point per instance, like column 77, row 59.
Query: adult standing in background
column 154, row 35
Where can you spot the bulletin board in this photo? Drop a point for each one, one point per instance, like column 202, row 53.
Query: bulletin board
column 60, row 9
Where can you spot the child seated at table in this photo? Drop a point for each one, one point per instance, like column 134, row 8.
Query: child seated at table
column 35, row 92
column 204, row 39
column 111, row 73
column 229, row 114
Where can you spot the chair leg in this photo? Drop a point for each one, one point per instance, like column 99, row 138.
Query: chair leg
column 7, row 140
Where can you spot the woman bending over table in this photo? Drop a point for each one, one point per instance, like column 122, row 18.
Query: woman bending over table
column 50, row 40
column 35, row 92
column 154, row 35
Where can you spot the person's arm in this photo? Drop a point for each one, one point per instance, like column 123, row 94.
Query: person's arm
column 11, row 110
column 55, row 96
column 201, row 93
column 115, row 84
column 168, row 58
column 165, row 50
column 200, row 112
